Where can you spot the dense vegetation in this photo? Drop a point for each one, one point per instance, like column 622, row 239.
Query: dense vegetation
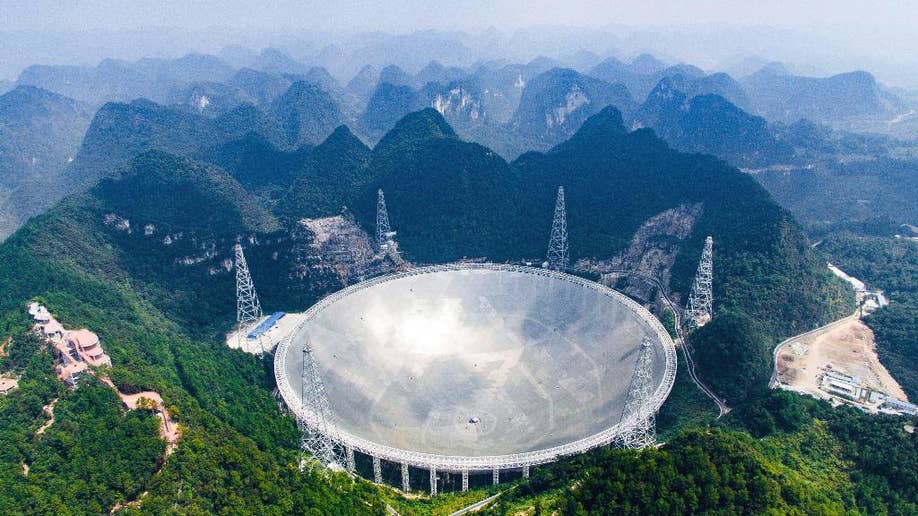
column 160, row 305
column 237, row 453
column 809, row 459
column 891, row 265
column 40, row 132
column 829, row 194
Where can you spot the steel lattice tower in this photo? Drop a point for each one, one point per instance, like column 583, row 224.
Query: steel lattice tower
column 638, row 416
column 383, row 230
column 248, row 309
column 558, row 258
column 699, row 308
column 317, row 438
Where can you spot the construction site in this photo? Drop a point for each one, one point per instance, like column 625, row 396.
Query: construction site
column 839, row 362
column 462, row 372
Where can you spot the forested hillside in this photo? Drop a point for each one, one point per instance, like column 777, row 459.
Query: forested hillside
column 161, row 297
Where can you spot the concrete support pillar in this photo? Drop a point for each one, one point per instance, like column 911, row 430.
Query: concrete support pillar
column 406, row 485
column 377, row 470
column 496, row 474
column 351, row 463
column 465, row 480
column 433, row 481
column 525, row 470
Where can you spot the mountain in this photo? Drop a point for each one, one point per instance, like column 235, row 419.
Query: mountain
column 119, row 132
column 830, row 196
column 389, row 103
column 554, row 104
column 210, row 98
column 614, row 181
column 710, row 124
column 273, row 61
column 321, row 78
column 460, row 102
column 788, row 98
column 436, row 72
column 186, row 69
column 40, row 133
column 394, row 75
column 111, row 80
column 643, row 74
column 362, row 85
column 619, row 179
column 445, row 196
column 504, row 84
column 263, row 87
column 582, row 60
column 121, row 81
column 646, row 64
column 307, row 114
column 332, row 176
column 178, row 194
column 162, row 306
column 258, row 165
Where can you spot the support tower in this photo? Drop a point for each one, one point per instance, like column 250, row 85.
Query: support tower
column 318, row 434
column 383, row 230
column 384, row 234
column 248, row 309
column 699, row 309
column 558, row 258
column 638, row 416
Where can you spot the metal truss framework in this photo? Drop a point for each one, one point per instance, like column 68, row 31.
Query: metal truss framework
column 558, row 257
column 383, row 231
column 385, row 237
column 377, row 471
column 319, row 435
column 480, row 463
column 699, row 308
column 248, row 308
column 639, row 422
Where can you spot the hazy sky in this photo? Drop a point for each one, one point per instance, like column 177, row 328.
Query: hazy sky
column 402, row 15
column 812, row 36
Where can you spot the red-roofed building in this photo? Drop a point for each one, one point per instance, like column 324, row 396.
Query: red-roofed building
column 86, row 345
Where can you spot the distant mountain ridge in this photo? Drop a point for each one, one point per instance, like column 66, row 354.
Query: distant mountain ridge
column 710, row 124
column 40, row 133
column 788, row 98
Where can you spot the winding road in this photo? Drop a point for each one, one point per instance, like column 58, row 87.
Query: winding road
column 722, row 407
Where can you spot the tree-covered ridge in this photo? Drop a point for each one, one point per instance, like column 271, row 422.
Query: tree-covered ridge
column 449, row 199
column 237, row 453
column 807, row 458
column 40, row 133
column 162, row 317
column 179, row 194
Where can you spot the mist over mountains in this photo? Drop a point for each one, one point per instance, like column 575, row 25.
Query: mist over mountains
column 199, row 102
